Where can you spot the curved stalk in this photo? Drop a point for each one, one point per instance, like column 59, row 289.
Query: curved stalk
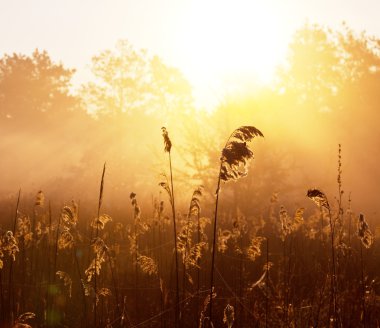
column 234, row 155
column 177, row 316
column 213, row 244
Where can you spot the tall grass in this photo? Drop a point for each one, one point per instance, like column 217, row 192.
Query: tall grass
column 277, row 269
column 233, row 163
column 11, row 296
column 321, row 200
column 100, row 200
column 366, row 240
column 170, row 190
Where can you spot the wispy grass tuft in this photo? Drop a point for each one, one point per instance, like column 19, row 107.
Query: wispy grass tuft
column 233, row 165
column 170, row 190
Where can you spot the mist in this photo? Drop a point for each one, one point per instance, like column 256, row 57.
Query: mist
column 57, row 141
column 123, row 203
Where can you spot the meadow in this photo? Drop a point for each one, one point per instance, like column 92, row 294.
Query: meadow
column 278, row 270
column 123, row 205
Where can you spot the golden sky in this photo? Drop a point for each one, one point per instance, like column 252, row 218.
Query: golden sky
column 218, row 44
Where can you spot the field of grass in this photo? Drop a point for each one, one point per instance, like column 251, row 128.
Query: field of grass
column 64, row 268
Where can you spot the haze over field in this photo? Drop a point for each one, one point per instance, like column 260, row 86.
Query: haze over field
column 220, row 46
column 245, row 62
column 188, row 163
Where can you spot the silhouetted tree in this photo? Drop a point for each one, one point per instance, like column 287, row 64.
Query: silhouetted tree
column 43, row 128
column 33, row 90
column 128, row 81
column 325, row 94
column 132, row 95
column 330, row 86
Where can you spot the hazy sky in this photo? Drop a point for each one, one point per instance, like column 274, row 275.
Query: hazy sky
column 215, row 43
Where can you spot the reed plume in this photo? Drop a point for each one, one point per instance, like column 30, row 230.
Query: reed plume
column 67, row 282
column 101, row 252
column 203, row 318
column 233, row 165
column 254, row 249
column 366, row 239
column 170, row 190
column 20, row 322
column 147, row 264
column 40, row 199
column 363, row 232
column 9, row 245
column 229, row 315
column 320, row 199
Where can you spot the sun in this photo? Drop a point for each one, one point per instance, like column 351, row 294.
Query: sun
column 227, row 45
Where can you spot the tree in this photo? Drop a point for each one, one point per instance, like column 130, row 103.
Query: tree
column 33, row 90
column 128, row 81
column 330, row 70
column 132, row 95
column 42, row 124
column 326, row 94
column 331, row 85
column 313, row 68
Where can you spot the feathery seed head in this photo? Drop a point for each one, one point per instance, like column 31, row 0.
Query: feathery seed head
column 69, row 214
column 67, row 282
column 65, row 240
column 229, row 315
column 147, row 264
column 9, row 245
column 104, row 292
column 167, row 141
column 195, row 206
column 319, row 198
column 136, row 207
column 254, row 250
column 236, row 154
column 20, row 321
column 364, row 234
column 100, row 222
column 40, row 199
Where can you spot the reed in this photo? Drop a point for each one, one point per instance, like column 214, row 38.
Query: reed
column 233, row 165
column 170, row 191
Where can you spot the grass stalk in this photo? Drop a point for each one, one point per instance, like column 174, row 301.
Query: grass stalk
column 267, row 283
column 233, row 163
column 97, row 235
column 11, row 297
column 333, row 305
column 168, row 146
column 362, row 284
column 214, row 245
column 177, row 314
